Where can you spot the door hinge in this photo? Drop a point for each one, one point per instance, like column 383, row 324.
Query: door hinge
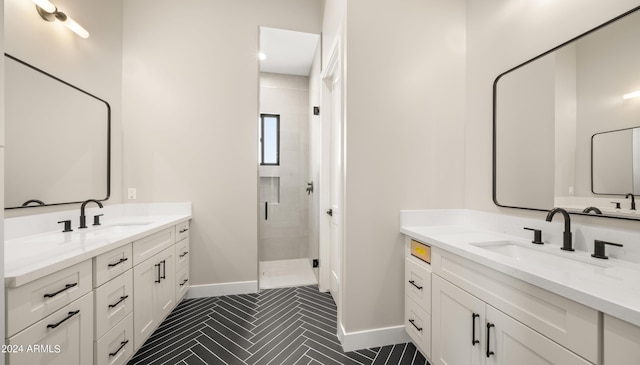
column 316, row 110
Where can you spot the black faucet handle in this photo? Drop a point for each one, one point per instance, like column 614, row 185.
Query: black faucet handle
column 537, row 235
column 617, row 204
column 96, row 219
column 67, row 225
column 598, row 249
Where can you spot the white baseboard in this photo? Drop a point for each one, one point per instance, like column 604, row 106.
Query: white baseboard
column 216, row 290
column 372, row 338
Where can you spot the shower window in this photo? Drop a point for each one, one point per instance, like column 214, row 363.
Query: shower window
column 269, row 139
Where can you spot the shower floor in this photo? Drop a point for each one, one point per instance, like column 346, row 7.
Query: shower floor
column 286, row 273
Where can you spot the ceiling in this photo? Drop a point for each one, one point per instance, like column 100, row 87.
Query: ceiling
column 287, row 52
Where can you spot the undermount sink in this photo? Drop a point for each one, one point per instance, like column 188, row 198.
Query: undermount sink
column 116, row 228
column 535, row 255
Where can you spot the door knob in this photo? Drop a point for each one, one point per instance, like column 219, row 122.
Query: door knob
column 330, row 212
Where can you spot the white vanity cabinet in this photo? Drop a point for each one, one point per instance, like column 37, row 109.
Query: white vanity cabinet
column 113, row 306
column 62, row 338
column 466, row 330
column 154, row 293
column 621, row 341
column 465, row 313
column 50, row 320
column 182, row 268
column 417, row 312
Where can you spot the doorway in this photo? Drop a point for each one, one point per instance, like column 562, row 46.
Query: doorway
column 287, row 232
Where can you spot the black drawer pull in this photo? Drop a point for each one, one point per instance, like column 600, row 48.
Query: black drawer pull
column 164, row 269
column 489, row 325
column 412, row 321
column 122, row 345
column 414, row 284
column 66, row 287
column 119, row 301
column 184, row 254
column 119, row 262
column 71, row 314
column 158, row 266
column 183, row 230
column 473, row 329
column 184, row 282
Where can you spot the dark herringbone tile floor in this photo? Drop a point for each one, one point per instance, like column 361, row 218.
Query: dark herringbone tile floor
column 276, row 326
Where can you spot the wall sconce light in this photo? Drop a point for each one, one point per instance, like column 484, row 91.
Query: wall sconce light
column 632, row 95
column 50, row 13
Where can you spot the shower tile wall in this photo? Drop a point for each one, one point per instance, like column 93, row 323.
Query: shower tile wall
column 285, row 234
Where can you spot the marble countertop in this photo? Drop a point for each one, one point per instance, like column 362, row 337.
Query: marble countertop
column 611, row 286
column 32, row 256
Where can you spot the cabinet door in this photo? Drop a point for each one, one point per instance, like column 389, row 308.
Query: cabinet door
column 167, row 289
column 153, row 293
column 511, row 342
column 457, row 318
column 621, row 342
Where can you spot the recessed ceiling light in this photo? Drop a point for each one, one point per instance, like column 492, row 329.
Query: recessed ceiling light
column 262, row 56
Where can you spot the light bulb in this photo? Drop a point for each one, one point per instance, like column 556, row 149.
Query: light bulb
column 634, row 94
column 76, row 28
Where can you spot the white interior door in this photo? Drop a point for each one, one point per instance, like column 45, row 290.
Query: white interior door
column 332, row 179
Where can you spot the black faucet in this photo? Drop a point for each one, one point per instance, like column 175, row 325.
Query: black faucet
column 566, row 238
column 592, row 209
column 633, row 200
column 83, row 219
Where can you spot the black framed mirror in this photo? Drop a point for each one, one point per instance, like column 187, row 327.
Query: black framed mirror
column 57, row 140
column 546, row 110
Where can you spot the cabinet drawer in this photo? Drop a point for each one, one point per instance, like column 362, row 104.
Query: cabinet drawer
column 31, row 302
column 113, row 302
column 182, row 283
column 417, row 277
column 182, row 254
column 64, row 337
column 146, row 247
column 421, row 251
column 111, row 264
column 182, row 231
column 418, row 326
column 116, row 347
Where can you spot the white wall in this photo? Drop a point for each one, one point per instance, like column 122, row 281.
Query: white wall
column 500, row 35
column 190, row 80
column 93, row 64
column 405, row 102
column 285, row 234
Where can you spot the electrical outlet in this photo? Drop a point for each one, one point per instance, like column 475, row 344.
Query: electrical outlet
column 316, row 263
column 131, row 193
